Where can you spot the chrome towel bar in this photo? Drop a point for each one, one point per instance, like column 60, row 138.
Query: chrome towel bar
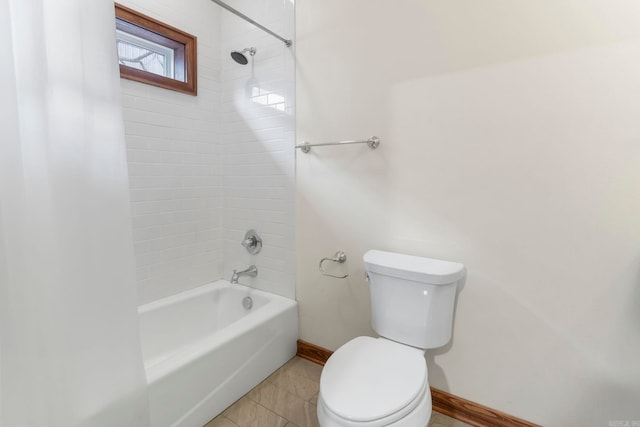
column 372, row 142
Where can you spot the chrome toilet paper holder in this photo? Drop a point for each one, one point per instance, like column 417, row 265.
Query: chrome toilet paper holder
column 340, row 257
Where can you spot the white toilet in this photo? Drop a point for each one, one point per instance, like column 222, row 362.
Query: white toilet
column 371, row 382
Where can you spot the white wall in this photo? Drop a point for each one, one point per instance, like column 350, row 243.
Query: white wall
column 257, row 144
column 511, row 143
column 205, row 169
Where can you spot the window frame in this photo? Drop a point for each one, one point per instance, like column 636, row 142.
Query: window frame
column 185, row 59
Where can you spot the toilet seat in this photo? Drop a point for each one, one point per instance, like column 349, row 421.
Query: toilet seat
column 373, row 379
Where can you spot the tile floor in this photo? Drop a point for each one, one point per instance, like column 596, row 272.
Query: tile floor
column 288, row 399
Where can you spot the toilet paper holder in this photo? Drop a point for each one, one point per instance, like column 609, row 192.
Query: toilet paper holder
column 340, row 257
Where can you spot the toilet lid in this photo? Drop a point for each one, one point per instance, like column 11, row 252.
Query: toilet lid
column 368, row 378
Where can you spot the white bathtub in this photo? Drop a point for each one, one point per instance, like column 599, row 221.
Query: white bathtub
column 203, row 350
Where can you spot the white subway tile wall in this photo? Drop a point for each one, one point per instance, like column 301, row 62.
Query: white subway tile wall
column 257, row 129
column 175, row 170
column 205, row 169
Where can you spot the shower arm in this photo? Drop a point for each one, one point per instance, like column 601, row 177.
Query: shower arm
column 251, row 21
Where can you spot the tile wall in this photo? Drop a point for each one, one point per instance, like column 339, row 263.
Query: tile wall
column 257, row 134
column 205, row 169
column 175, row 170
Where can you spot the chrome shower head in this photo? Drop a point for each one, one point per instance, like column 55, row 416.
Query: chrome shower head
column 240, row 57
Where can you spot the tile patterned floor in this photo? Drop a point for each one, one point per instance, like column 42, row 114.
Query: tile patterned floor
column 288, row 399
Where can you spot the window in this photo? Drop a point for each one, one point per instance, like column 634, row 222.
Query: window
column 142, row 54
column 154, row 53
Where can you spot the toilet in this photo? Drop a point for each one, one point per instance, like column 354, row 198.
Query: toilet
column 373, row 382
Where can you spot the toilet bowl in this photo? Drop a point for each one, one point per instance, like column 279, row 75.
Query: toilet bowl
column 374, row 382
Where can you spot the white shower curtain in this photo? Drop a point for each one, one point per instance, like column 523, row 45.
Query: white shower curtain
column 69, row 344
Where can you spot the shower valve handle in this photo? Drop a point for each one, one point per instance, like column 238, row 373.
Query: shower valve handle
column 252, row 242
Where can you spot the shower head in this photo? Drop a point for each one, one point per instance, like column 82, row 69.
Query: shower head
column 240, row 57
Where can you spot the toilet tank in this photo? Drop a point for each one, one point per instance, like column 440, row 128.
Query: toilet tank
column 412, row 297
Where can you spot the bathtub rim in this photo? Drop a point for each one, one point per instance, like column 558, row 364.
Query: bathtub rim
column 157, row 369
column 202, row 289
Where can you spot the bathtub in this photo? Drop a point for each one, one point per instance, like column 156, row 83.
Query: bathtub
column 203, row 349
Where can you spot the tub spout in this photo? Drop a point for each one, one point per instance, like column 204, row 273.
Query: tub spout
column 251, row 272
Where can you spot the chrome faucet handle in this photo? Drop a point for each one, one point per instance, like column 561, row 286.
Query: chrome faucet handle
column 252, row 242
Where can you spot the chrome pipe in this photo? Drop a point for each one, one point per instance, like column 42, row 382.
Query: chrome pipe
column 251, row 21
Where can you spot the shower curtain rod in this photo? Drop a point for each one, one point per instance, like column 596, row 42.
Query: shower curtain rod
column 251, row 21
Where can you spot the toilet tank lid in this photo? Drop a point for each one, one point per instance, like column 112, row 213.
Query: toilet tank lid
column 419, row 269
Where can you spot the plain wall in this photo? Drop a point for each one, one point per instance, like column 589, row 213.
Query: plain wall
column 511, row 143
